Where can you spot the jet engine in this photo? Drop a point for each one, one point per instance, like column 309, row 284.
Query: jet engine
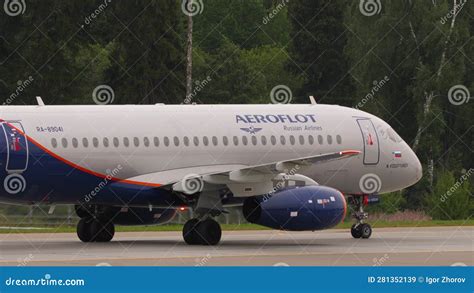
column 297, row 208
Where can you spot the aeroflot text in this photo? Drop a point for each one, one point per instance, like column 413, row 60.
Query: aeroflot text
column 281, row 118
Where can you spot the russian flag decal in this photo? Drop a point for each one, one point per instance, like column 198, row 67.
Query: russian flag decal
column 397, row 154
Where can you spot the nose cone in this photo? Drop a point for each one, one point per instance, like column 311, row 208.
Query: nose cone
column 416, row 167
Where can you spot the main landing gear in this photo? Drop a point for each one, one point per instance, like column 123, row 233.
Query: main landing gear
column 360, row 229
column 205, row 232
column 93, row 225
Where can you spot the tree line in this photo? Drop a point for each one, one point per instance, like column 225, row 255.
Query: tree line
column 409, row 62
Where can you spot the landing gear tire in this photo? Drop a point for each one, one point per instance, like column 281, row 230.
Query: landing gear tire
column 83, row 230
column 92, row 230
column 206, row 232
column 366, row 231
column 356, row 231
column 189, row 232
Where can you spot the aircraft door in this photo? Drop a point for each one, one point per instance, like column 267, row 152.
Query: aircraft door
column 371, row 141
column 16, row 147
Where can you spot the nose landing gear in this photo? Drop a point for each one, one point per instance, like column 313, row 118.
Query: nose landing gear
column 360, row 229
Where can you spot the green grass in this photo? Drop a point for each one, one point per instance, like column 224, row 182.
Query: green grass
column 231, row 227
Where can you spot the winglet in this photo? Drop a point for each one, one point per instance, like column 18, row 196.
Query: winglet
column 312, row 100
column 40, row 101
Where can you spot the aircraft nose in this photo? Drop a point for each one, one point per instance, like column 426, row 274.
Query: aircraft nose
column 417, row 168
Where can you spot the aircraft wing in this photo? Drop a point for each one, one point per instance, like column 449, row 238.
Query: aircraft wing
column 242, row 180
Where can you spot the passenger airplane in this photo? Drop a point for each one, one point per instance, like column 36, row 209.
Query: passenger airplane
column 288, row 166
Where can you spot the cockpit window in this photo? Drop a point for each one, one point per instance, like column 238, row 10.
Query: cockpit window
column 393, row 135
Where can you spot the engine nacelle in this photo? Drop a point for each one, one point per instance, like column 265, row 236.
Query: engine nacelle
column 297, row 208
column 141, row 216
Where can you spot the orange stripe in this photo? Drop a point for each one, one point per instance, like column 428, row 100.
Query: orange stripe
column 74, row 165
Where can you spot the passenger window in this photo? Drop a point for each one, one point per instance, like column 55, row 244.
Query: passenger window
column 116, row 142
column 136, row 141
column 264, row 140
column 166, row 141
column 214, row 141
column 236, row 141
column 329, row 139
column 320, row 139
column 176, row 141
column 205, row 141
column 106, row 142
column 196, row 141
column 146, row 141
column 310, row 139
column 156, row 141
column 254, row 140
column 75, row 143
column 95, row 142
column 54, row 143
column 292, row 140
column 186, row 141
column 301, row 140
column 225, row 140
column 338, row 139
column 245, row 140
column 282, row 140
column 126, row 142
column 273, row 140
column 85, row 142
column 64, row 142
